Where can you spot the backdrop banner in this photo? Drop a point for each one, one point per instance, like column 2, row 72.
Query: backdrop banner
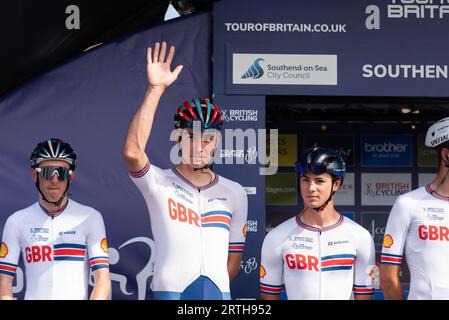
column 89, row 102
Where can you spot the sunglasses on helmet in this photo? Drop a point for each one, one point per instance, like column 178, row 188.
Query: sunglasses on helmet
column 48, row 172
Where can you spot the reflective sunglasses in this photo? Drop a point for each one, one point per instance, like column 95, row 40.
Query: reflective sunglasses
column 48, row 172
column 316, row 168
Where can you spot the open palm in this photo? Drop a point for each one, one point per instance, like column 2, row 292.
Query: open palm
column 158, row 66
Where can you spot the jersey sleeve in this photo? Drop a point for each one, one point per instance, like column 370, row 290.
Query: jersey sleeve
column 9, row 249
column 145, row 179
column 396, row 233
column 97, row 244
column 237, row 231
column 271, row 266
column 365, row 264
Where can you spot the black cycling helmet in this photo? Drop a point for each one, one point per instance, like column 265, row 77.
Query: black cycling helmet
column 53, row 149
column 320, row 160
column 199, row 109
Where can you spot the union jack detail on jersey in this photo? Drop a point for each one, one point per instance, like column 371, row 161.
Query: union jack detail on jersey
column 393, row 259
column 218, row 219
column 270, row 289
column 8, row 268
column 99, row 262
column 363, row 290
column 140, row 173
column 69, row 252
column 236, row 247
column 337, row 262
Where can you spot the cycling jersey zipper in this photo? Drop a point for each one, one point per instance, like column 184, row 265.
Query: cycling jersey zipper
column 53, row 237
column 202, row 268
column 321, row 264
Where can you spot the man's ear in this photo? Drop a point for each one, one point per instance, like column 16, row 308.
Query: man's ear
column 337, row 184
column 34, row 175
column 445, row 156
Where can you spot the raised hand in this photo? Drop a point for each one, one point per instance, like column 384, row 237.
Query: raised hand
column 158, row 66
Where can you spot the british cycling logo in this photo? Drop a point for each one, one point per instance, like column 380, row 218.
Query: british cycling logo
column 434, row 213
column 249, row 265
column 255, row 71
column 39, row 234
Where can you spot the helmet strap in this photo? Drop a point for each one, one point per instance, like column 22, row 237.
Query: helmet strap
column 55, row 203
column 324, row 205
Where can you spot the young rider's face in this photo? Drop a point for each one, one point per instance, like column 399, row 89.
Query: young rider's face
column 316, row 189
column 54, row 188
column 198, row 153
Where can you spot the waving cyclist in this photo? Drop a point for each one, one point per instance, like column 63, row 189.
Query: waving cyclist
column 59, row 238
column 318, row 254
column 419, row 224
column 197, row 217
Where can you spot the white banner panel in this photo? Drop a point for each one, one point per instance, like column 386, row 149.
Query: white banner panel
column 293, row 69
column 345, row 194
column 382, row 189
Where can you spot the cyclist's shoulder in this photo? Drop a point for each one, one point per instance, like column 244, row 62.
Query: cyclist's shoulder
column 352, row 227
column 82, row 209
column 415, row 195
column 231, row 185
column 282, row 230
column 25, row 213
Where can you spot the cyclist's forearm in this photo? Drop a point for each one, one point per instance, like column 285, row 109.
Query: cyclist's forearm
column 6, row 288
column 102, row 287
column 392, row 289
column 140, row 127
column 234, row 260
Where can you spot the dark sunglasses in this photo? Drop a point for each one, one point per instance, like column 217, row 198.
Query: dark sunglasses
column 48, row 172
column 315, row 168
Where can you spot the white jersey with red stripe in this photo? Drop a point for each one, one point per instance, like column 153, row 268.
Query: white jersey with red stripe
column 318, row 264
column 419, row 223
column 57, row 250
column 193, row 228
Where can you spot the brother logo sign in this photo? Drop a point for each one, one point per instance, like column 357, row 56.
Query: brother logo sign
column 385, row 150
column 386, row 147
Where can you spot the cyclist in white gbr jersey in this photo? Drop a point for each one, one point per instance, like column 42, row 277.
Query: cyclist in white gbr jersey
column 318, row 254
column 419, row 224
column 197, row 217
column 59, row 238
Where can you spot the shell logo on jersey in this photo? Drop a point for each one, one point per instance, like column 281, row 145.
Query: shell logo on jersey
column 263, row 273
column 244, row 229
column 3, row 250
column 104, row 245
column 388, row 241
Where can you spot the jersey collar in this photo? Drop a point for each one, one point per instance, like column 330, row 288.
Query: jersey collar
column 54, row 214
column 433, row 193
column 199, row 188
column 315, row 229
